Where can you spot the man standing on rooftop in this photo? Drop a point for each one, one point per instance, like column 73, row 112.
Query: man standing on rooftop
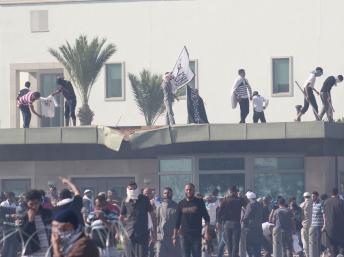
column 240, row 95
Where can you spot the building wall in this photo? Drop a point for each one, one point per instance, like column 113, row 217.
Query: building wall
column 42, row 172
column 223, row 35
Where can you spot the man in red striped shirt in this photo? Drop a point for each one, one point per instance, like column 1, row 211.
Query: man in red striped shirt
column 25, row 104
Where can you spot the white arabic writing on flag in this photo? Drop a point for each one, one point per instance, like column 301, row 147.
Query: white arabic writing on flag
column 182, row 72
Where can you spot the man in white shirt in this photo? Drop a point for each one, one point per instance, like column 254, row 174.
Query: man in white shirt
column 259, row 105
column 10, row 201
column 309, row 96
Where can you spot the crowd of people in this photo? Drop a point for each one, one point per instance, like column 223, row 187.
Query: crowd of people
column 68, row 224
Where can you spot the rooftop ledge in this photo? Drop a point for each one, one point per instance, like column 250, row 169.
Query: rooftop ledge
column 145, row 137
column 27, row 2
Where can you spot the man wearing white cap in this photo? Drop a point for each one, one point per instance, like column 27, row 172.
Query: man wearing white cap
column 306, row 207
column 252, row 221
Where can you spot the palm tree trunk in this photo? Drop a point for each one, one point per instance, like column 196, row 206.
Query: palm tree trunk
column 85, row 115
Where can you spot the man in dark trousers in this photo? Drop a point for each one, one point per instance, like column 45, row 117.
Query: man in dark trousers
column 166, row 220
column 252, row 220
column 134, row 214
column 25, row 104
column 239, row 91
column 309, row 96
column 325, row 94
column 229, row 217
column 190, row 212
column 334, row 223
column 66, row 88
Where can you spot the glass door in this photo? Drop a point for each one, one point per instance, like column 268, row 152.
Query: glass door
column 47, row 86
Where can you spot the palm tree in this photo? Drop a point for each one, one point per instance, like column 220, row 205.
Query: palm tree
column 83, row 63
column 148, row 95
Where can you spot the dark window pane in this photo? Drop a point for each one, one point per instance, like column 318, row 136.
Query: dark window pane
column 176, row 166
column 284, row 184
column 113, row 80
column 177, row 183
column 268, row 164
column 222, row 182
column 222, row 164
column 280, row 70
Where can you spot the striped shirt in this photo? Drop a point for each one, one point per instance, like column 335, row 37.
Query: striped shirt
column 317, row 214
column 25, row 99
column 241, row 86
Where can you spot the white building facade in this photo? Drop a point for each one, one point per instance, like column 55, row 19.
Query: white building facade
column 275, row 41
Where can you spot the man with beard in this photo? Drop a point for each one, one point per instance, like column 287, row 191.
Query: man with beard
column 190, row 212
column 252, row 221
column 68, row 238
column 166, row 220
column 134, row 214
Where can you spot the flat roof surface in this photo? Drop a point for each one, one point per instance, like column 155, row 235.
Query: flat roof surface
column 146, row 137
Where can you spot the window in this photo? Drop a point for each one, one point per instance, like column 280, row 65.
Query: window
column 221, row 174
column 194, row 82
column 175, row 173
column 114, row 81
column 222, row 164
column 39, row 21
column 282, row 76
column 221, row 182
column 279, row 176
column 18, row 186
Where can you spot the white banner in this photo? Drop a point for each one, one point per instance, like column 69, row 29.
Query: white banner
column 181, row 71
column 48, row 106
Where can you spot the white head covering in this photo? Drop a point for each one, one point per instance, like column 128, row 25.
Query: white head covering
column 132, row 194
column 251, row 195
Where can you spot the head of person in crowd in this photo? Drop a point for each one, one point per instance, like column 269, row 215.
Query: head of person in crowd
column 88, row 194
column 10, row 197
column 281, row 203
column 323, row 197
column 65, row 229
column 318, row 71
column 60, row 81
column 266, row 201
column 339, row 78
column 251, row 196
column 315, row 196
column 65, row 197
column 335, row 192
column 168, row 76
column 133, row 191
column 242, row 73
column 215, row 192
column 307, row 196
column 149, row 193
column 27, row 84
column 293, row 206
column 255, row 93
column 100, row 203
column 233, row 191
column 102, row 194
column 292, row 200
column 167, row 194
column 33, row 199
column 53, row 190
column 189, row 190
column 199, row 195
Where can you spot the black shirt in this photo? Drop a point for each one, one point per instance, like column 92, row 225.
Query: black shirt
column 136, row 213
column 189, row 216
column 328, row 84
column 230, row 209
column 67, row 90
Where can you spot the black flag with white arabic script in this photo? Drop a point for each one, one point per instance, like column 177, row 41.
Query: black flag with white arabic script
column 195, row 105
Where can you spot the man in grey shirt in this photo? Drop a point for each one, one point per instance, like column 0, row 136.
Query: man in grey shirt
column 166, row 221
column 168, row 98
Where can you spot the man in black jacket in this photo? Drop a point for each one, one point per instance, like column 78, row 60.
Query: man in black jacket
column 34, row 226
column 190, row 212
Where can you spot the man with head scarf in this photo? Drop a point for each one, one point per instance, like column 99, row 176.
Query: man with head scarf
column 134, row 214
column 68, row 238
column 252, row 222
